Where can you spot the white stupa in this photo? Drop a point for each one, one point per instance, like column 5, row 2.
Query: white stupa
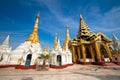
column 5, row 50
column 27, row 53
column 61, row 55
column 65, row 47
column 115, row 43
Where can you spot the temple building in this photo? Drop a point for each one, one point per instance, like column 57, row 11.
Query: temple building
column 61, row 56
column 27, row 53
column 89, row 47
column 5, row 50
column 56, row 53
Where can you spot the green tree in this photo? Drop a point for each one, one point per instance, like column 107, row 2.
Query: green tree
column 44, row 57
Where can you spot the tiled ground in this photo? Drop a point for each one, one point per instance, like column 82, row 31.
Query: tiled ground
column 75, row 72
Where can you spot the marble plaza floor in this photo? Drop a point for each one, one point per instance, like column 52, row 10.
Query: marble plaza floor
column 75, row 72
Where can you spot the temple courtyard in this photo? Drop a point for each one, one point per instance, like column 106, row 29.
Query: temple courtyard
column 75, row 72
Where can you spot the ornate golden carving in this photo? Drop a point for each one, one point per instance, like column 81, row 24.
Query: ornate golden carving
column 86, row 36
column 84, row 29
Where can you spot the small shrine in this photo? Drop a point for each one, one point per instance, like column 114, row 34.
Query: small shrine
column 61, row 56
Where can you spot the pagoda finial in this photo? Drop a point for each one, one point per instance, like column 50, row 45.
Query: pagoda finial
column 67, row 33
column 84, row 30
column 81, row 16
column 58, row 40
column 46, row 48
column 33, row 38
column 55, row 42
column 67, row 39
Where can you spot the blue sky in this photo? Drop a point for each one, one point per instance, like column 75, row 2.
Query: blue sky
column 17, row 18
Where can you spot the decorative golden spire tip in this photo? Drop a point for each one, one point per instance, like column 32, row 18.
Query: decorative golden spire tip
column 81, row 16
column 33, row 38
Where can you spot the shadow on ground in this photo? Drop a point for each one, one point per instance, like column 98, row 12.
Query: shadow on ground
column 27, row 78
column 107, row 67
column 101, row 77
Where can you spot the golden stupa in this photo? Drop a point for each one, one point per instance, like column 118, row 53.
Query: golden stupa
column 33, row 38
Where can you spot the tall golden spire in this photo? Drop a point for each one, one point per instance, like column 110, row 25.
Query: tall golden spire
column 55, row 42
column 67, row 39
column 84, row 30
column 33, row 38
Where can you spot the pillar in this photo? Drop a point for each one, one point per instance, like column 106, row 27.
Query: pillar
column 97, row 51
column 73, row 54
column 78, row 51
column 83, row 53
column 108, row 51
column 92, row 53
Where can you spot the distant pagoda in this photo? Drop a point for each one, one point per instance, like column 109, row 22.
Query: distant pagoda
column 115, row 43
column 88, row 46
column 5, row 50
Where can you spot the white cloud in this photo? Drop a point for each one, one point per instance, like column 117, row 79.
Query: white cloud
column 55, row 9
column 107, row 22
column 112, row 17
column 98, row 21
column 107, row 29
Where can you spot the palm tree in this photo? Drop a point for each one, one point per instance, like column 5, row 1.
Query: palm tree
column 44, row 57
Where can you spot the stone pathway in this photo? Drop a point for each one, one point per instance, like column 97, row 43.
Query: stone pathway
column 75, row 72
